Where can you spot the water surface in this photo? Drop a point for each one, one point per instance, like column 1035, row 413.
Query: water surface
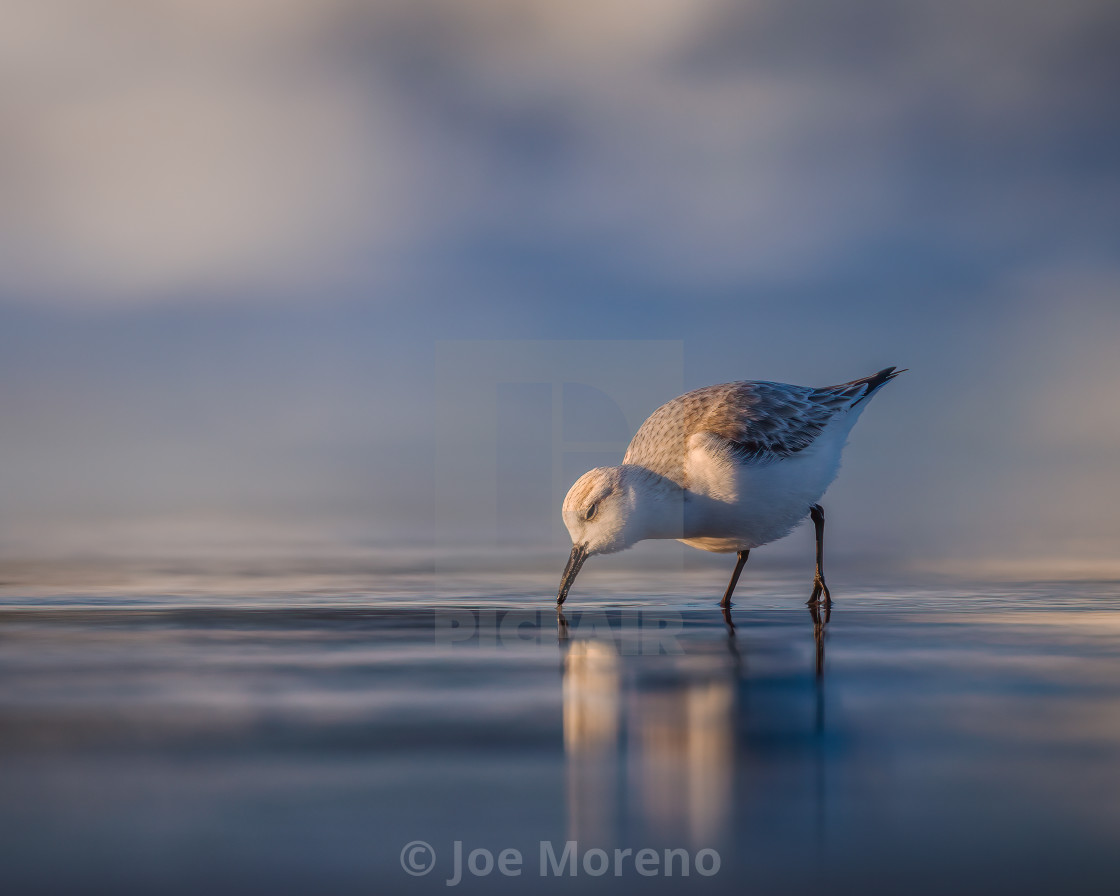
column 921, row 740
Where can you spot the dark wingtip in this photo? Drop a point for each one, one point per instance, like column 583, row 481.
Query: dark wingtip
column 883, row 376
column 875, row 381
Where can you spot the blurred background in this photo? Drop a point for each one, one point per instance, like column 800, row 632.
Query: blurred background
column 233, row 236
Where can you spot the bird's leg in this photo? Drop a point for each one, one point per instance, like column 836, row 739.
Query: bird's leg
column 726, row 602
column 820, row 589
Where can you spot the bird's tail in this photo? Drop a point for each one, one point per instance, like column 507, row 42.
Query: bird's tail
column 869, row 385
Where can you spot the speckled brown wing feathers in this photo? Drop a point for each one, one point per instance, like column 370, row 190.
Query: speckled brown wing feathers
column 759, row 422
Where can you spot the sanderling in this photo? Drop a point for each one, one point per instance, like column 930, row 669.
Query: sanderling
column 726, row 468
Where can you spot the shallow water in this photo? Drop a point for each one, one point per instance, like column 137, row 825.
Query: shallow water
column 921, row 740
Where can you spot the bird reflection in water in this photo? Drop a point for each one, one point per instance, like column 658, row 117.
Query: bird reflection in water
column 655, row 743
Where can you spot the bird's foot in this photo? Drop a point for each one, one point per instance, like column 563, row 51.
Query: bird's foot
column 820, row 596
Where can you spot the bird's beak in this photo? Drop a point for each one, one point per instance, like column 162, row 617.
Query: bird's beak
column 575, row 561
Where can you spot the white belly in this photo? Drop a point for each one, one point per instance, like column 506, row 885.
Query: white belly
column 735, row 507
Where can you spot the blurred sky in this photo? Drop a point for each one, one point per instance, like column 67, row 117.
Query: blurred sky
column 232, row 234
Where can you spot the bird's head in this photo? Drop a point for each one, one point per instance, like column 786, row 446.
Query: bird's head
column 599, row 515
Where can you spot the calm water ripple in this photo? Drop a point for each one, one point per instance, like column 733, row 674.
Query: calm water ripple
column 919, row 741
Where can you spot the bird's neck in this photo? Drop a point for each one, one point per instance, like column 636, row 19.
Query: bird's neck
column 659, row 507
column 665, row 509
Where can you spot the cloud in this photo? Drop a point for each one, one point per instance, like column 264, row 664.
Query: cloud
column 187, row 149
column 284, row 201
column 298, row 147
column 759, row 141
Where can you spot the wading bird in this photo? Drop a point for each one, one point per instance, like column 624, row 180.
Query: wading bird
column 726, row 468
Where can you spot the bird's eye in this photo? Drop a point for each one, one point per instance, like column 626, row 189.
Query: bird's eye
column 591, row 511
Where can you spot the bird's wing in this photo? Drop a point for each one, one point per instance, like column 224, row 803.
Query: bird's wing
column 760, row 423
column 748, row 422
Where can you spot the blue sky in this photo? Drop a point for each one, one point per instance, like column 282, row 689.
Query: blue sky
column 233, row 235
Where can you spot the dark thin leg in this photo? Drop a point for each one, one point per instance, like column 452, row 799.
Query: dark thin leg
column 726, row 602
column 820, row 589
